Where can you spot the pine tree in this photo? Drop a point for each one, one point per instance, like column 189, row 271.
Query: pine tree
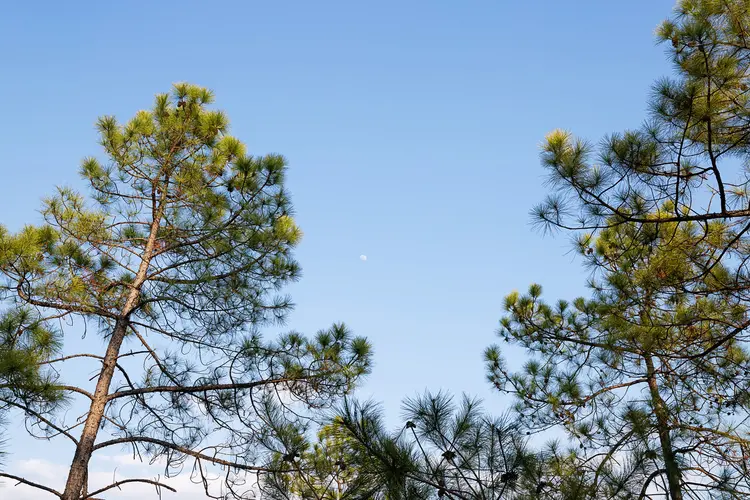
column 665, row 207
column 699, row 122
column 691, row 153
column 175, row 261
column 643, row 369
column 26, row 343
column 335, row 467
column 444, row 450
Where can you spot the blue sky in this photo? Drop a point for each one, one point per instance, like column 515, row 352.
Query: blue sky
column 411, row 129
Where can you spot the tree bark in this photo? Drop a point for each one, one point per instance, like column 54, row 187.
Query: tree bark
column 662, row 425
column 79, row 467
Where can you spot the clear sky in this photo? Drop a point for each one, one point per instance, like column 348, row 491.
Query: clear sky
column 412, row 131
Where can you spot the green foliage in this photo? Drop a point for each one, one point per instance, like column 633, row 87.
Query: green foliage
column 333, row 468
column 223, row 235
column 697, row 126
column 26, row 344
column 443, row 450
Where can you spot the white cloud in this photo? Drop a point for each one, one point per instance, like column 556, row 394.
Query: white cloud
column 41, row 469
column 126, row 460
column 53, row 475
column 363, row 258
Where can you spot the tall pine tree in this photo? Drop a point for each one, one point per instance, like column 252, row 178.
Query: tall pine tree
column 173, row 262
column 644, row 369
column 666, row 210
column 443, row 450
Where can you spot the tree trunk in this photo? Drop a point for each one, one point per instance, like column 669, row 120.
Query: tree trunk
column 662, row 426
column 79, row 467
column 78, row 474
